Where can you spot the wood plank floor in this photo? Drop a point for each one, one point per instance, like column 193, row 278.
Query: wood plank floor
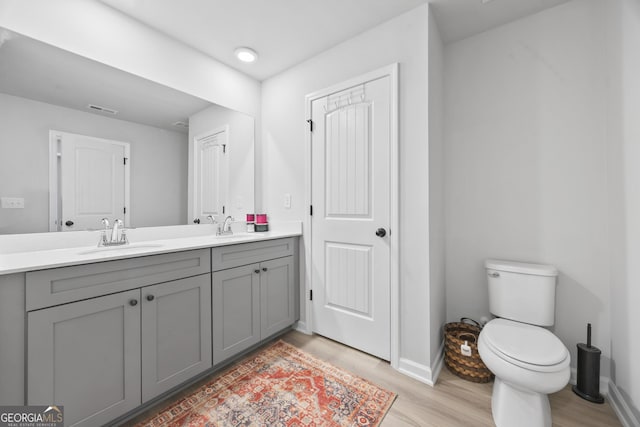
column 452, row 402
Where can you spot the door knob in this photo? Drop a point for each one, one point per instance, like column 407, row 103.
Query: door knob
column 264, row 268
column 150, row 297
column 381, row 232
column 68, row 223
column 196, row 221
column 133, row 302
column 256, row 271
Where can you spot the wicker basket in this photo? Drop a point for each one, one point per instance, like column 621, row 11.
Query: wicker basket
column 470, row 368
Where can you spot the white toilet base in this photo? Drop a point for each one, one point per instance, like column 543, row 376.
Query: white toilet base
column 514, row 407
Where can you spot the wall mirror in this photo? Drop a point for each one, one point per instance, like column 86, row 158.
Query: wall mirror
column 46, row 92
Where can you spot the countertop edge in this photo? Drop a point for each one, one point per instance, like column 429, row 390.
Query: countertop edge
column 24, row 261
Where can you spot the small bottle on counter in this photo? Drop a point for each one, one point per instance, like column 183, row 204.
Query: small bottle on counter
column 251, row 226
column 261, row 222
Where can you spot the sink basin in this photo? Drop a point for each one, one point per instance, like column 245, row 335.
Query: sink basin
column 123, row 248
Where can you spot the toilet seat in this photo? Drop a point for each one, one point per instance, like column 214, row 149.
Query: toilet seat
column 527, row 346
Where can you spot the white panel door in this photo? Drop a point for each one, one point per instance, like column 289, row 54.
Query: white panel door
column 210, row 174
column 350, row 150
column 92, row 181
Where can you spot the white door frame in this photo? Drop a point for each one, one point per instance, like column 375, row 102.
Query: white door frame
column 55, row 195
column 392, row 72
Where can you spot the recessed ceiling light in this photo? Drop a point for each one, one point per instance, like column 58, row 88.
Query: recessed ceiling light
column 245, row 54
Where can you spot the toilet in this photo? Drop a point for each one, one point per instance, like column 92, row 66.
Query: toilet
column 529, row 361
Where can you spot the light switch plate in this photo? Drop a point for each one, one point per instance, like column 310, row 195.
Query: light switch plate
column 12, row 202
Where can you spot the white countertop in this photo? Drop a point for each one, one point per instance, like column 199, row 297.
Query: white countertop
column 142, row 243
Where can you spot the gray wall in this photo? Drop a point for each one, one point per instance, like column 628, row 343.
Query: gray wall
column 526, row 175
column 624, row 206
column 158, row 163
column 437, row 293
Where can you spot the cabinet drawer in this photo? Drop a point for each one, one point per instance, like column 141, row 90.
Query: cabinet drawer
column 224, row 257
column 61, row 285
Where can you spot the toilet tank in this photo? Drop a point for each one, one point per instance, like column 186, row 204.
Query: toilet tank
column 521, row 291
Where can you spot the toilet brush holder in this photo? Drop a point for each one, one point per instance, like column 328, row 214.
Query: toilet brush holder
column 588, row 377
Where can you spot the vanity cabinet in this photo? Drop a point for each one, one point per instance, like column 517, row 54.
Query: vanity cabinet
column 103, row 339
column 254, row 301
column 86, row 356
column 236, row 311
column 176, row 333
column 104, row 356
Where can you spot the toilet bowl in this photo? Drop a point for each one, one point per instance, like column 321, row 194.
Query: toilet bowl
column 529, row 362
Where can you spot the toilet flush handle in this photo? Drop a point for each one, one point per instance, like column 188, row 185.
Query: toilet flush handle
column 494, row 274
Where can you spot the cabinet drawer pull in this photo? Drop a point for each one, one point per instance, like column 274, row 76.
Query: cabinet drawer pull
column 133, row 302
column 256, row 271
column 150, row 297
column 264, row 268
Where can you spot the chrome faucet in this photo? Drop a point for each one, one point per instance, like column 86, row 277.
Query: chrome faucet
column 226, row 227
column 114, row 240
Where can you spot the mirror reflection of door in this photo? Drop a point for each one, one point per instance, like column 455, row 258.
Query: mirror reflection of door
column 211, row 173
column 91, row 178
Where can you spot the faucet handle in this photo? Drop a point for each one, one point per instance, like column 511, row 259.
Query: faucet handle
column 105, row 222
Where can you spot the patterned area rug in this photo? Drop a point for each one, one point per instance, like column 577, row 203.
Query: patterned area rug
column 280, row 386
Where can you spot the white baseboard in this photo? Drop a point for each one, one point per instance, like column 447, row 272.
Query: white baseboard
column 420, row 372
column 604, row 382
column 301, row 326
column 621, row 407
column 436, row 366
column 415, row 370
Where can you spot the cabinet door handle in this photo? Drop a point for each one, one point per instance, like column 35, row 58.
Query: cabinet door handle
column 133, row 302
column 264, row 268
column 150, row 297
column 256, row 271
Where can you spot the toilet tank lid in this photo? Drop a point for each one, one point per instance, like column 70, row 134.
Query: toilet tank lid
column 521, row 267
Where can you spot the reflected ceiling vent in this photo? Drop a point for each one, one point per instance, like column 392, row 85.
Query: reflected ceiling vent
column 181, row 125
column 102, row 109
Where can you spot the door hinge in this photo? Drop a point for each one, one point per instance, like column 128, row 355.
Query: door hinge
column 311, row 210
column 310, row 125
column 310, row 294
column 125, row 160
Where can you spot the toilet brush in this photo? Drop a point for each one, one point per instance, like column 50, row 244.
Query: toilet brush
column 588, row 379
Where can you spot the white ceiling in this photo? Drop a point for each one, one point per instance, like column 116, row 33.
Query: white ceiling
column 283, row 32
column 459, row 19
column 287, row 32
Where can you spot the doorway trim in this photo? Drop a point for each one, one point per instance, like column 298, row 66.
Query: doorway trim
column 55, row 184
column 394, row 230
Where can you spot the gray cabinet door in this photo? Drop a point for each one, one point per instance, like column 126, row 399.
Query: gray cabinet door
column 277, row 295
column 86, row 356
column 236, row 310
column 176, row 333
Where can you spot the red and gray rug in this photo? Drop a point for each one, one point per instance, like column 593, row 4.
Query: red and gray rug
column 280, row 386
